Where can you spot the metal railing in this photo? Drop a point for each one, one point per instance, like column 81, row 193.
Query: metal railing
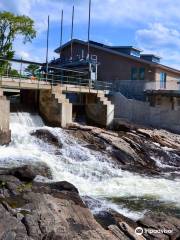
column 136, row 88
column 55, row 76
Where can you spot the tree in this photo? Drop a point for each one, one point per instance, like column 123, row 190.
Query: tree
column 11, row 26
column 32, row 69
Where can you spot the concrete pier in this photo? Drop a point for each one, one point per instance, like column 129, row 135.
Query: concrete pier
column 5, row 133
column 55, row 108
column 99, row 109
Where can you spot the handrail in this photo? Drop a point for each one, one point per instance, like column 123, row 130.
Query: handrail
column 53, row 79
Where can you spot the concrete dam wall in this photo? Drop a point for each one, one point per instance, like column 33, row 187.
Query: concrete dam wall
column 5, row 133
column 142, row 113
column 54, row 106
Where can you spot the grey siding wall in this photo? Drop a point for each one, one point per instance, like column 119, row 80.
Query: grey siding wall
column 142, row 113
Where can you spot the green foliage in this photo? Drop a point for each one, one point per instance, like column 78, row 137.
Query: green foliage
column 32, row 69
column 13, row 72
column 6, row 69
column 11, row 26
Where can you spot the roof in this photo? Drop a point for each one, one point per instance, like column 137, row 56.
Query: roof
column 151, row 55
column 125, row 47
column 112, row 51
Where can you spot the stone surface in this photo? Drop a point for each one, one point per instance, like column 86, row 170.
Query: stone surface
column 47, row 136
column 5, row 137
column 51, row 211
column 134, row 148
column 28, row 172
column 54, row 210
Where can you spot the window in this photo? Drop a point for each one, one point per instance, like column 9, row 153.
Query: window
column 163, row 77
column 135, row 53
column 142, row 73
column 156, row 60
column 134, row 73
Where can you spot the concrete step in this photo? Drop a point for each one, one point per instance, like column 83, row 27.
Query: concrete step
column 62, row 101
column 104, row 100
column 61, row 98
column 101, row 94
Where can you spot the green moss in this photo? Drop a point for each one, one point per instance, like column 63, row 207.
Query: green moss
column 3, row 184
column 24, row 212
column 24, row 187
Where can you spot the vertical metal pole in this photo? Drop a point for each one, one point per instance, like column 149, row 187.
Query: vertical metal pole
column 47, row 50
column 72, row 32
column 89, row 28
column 20, row 74
column 61, row 37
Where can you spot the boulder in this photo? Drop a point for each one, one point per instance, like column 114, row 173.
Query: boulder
column 48, row 211
column 28, row 172
column 46, row 136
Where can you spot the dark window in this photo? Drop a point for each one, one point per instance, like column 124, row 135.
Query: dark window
column 142, row 73
column 134, row 73
column 163, row 77
column 135, row 53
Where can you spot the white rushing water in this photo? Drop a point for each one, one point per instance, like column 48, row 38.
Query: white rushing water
column 91, row 172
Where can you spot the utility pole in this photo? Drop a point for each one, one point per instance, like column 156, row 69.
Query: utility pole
column 61, row 37
column 89, row 28
column 72, row 32
column 47, row 50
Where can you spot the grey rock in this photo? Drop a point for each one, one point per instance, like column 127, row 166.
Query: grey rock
column 47, row 137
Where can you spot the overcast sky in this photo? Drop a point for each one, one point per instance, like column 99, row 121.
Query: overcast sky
column 153, row 26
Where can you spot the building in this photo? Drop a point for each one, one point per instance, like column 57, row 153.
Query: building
column 136, row 75
column 120, row 62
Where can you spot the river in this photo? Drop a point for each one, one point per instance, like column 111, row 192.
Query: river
column 95, row 175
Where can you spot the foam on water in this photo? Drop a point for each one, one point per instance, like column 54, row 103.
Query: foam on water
column 93, row 173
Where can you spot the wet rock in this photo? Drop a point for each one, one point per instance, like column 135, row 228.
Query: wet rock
column 166, row 226
column 105, row 219
column 145, row 151
column 47, row 211
column 9, row 185
column 62, row 190
column 5, row 137
column 47, row 137
column 28, row 172
column 93, row 143
column 54, row 210
column 10, row 227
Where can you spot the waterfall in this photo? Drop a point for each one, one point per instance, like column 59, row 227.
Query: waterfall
column 93, row 173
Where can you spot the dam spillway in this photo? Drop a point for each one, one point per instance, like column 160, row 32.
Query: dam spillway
column 95, row 174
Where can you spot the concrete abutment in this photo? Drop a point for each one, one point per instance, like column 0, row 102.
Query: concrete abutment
column 55, row 108
column 5, row 133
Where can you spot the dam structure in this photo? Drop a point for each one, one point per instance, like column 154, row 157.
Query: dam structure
column 54, row 96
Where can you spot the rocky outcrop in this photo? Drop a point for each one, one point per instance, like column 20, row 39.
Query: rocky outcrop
column 145, row 151
column 152, row 226
column 32, row 210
